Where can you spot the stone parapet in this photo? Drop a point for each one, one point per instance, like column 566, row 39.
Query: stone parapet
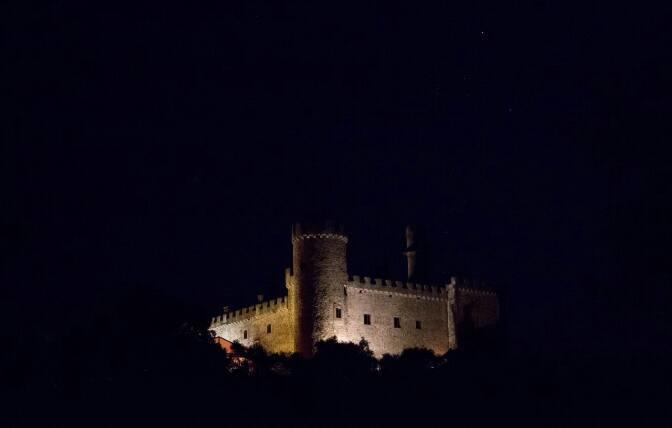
column 409, row 289
column 246, row 313
column 477, row 291
column 412, row 288
column 322, row 231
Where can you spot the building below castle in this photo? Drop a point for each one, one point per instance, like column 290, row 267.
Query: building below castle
column 323, row 301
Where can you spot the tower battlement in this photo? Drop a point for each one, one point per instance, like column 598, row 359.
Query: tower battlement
column 327, row 230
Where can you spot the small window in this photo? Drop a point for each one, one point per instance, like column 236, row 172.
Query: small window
column 268, row 329
column 397, row 322
column 338, row 312
column 367, row 319
column 244, row 334
column 418, row 325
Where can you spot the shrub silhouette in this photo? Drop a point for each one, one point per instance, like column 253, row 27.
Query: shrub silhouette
column 333, row 358
column 142, row 359
column 410, row 361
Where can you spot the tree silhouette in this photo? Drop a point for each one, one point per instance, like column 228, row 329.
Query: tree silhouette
column 410, row 361
column 343, row 359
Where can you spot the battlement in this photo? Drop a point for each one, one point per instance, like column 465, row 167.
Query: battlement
column 409, row 289
column 323, row 231
column 477, row 291
column 415, row 289
column 252, row 311
column 468, row 286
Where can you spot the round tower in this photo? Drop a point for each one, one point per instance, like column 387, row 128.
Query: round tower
column 319, row 274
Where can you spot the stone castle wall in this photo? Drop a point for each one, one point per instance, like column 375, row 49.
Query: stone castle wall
column 255, row 320
column 385, row 300
column 318, row 288
column 479, row 308
column 440, row 310
column 382, row 300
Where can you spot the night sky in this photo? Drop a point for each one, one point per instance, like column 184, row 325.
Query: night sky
column 173, row 147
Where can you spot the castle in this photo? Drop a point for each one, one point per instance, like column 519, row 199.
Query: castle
column 322, row 301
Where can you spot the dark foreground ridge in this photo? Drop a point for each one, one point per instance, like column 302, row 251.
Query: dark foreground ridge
column 122, row 368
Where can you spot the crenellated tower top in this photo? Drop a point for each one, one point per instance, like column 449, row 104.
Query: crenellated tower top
column 325, row 230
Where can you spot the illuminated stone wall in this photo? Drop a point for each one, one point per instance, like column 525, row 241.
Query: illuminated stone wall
column 255, row 319
column 318, row 285
column 440, row 309
column 410, row 303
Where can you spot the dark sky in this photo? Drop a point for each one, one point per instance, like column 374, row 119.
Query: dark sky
column 173, row 146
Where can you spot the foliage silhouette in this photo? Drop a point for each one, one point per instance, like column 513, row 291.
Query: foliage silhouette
column 343, row 359
column 411, row 361
column 141, row 358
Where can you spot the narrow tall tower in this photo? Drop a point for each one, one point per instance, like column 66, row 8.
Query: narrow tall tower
column 319, row 274
column 410, row 252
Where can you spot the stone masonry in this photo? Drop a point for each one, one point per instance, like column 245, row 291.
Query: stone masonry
column 323, row 301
